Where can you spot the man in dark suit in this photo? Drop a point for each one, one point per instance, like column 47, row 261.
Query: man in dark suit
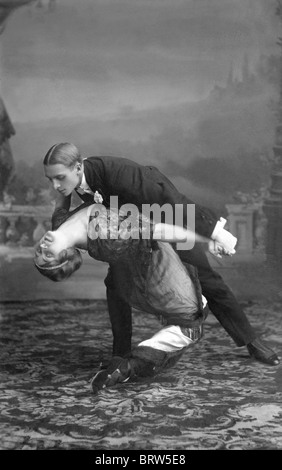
column 97, row 179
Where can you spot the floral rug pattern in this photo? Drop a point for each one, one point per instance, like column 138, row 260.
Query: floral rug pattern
column 216, row 397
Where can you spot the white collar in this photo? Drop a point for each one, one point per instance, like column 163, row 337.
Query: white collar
column 84, row 186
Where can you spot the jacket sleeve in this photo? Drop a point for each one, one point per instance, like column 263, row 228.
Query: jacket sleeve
column 147, row 185
column 61, row 207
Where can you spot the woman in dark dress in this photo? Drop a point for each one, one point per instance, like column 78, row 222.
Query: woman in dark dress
column 149, row 276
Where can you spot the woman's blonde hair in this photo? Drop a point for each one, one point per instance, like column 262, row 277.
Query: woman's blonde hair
column 69, row 261
column 65, row 154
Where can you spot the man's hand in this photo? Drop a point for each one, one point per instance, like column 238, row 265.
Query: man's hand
column 223, row 242
column 216, row 249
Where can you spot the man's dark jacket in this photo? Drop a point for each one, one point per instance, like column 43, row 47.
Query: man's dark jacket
column 139, row 184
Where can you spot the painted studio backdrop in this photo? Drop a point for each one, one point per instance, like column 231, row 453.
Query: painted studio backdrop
column 190, row 86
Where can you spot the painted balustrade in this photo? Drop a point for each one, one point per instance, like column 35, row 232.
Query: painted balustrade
column 248, row 223
column 23, row 225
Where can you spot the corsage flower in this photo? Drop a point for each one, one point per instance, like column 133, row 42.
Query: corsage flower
column 98, row 198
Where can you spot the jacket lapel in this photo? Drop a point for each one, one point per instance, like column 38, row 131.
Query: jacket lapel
column 95, row 182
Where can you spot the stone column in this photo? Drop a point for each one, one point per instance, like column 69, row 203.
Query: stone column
column 240, row 224
column 247, row 223
column 273, row 203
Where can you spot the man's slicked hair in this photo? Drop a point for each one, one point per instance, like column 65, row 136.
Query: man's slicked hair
column 65, row 153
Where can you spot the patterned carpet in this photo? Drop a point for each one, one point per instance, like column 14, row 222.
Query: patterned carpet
column 216, row 397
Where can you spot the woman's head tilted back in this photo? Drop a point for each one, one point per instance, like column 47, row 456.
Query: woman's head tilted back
column 63, row 166
column 67, row 263
column 53, row 257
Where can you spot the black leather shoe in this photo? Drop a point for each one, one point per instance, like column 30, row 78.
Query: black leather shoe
column 118, row 371
column 262, row 353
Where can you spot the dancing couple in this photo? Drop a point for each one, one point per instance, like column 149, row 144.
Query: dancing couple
column 147, row 273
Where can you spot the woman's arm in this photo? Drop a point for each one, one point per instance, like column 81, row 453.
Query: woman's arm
column 175, row 233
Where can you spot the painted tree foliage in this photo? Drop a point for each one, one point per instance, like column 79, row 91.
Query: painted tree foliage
column 7, row 7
